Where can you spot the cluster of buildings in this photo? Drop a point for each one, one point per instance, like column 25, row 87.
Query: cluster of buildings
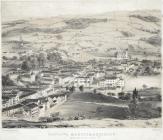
column 35, row 92
column 30, row 102
column 40, row 88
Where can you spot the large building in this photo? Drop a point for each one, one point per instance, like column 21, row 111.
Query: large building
column 82, row 81
column 122, row 55
column 111, row 82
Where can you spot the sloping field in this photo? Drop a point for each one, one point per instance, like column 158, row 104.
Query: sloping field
column 90, row 36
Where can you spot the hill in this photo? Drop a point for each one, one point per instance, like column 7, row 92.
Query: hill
column 89, row 37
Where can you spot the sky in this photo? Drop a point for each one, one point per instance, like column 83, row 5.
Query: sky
column 22, row 9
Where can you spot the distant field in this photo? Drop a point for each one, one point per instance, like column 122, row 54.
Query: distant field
column 138, row 82
column 139, row 31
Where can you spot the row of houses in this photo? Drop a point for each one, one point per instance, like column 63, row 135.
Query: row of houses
column 34, row 107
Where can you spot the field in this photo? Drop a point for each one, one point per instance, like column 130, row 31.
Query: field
column 90, row 110
column 89, row 37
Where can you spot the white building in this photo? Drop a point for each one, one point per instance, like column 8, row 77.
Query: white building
column 100, row 74
column 65, row 80
column 121, row 83
column 122, row 55
column 112, row 82
column 82, row 81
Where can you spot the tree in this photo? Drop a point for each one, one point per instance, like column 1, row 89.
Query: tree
column 54, row 56
column 14, row 58
column 72, row 89
column 6, row 81
column 38, row 78
column 67, row 88
column 135, row 95
column 148, row 70
column 94, row 91
column 121, row 95
column 34, row 63
column 159, row 97
column 81, row 88
column 25, row 66
column 4, row 57
column 42, row 59
column 134, row 104
column 18, row 78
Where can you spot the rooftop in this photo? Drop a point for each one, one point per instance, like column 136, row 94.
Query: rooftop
column 12, row 107
column 111, row 77
column 30, row 106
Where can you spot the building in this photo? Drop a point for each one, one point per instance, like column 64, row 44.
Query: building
column 31, row 110
column 32, row 104
column 11, row 110
column 99, row 74
column 157, row 69
column 65, row 80
column 82, row 81
column 111, row 82
column 122, row 55
column 120, row 83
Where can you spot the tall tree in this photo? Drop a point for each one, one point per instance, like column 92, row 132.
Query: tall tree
column 81, row 88
column 6, row 81
column 26, row 65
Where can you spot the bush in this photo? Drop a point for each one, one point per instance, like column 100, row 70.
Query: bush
column 98, row 109
column 145, row 110
column 6, row 81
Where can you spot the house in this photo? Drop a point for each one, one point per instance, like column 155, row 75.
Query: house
column 65, row 79
column 121, row 83
column 42, row 92
column 99, row 74
column 7, row 89
column 32, row 104
column 76, row 74
column 48, row 81
column 31, row 110
column 157, row 69
column 82, row 81
column 11, row 110
column 122, row 55
column 11, row 97
column 51, row 101
column 28, row 77
column 23, row 95
column 111, row 82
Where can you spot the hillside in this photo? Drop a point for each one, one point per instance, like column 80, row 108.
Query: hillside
column 83, row 38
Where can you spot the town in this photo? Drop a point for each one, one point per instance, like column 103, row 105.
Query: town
column 36, row 80
column 82, row 71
